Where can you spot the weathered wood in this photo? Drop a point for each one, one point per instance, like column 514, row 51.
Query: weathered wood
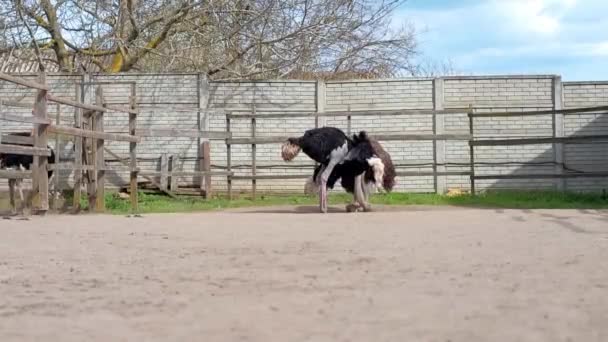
column 25, row 150
column 271, row 177
column 16, row 139
column 57, row 177
column 41, row 141
column 91, row 107
column 72, row 166
column 380, row 137
column 164, row 170
column 228, row 159
column 472, row 151
column 11, row 174
column 77, row 155
column 17, row 104
column 254, row 185
column 23, row 82
column 184, row 174
column 207, row 168
column 305, row 176
column 182, row 133
column 535, row 141
column 544, row 175
column 174, row 184
column 93, row 135
column 100, row 202
column 24, row 119
column 284, row 115
column 542, row 112
column 133, row 193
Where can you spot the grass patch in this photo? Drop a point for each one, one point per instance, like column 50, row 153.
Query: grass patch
column 152, row 203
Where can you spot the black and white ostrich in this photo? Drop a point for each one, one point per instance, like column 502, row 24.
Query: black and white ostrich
column 368, row 166
column 335, row 151
column 9, row 161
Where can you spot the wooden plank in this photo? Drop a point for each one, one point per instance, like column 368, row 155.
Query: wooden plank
column 23, row 82
column 25, row 150
column 184, row 174
column 93, row 135
column 207, row 168
column 536, row 141
column 545, row 176
column 133, row 191
column 284, row 115
column 271, row 177
column 472, row 151
column 164, row 170
column 100, row 199
column 228, row 159
column 174, row 184
column 57, row 157
column 542, row 112
column 41, row 141
column 13, row 174
column 305, row 176
column 17, row 104
column 24, row 119
column 76, row 104
column 90, row 159
column 380, row 137
column 17, row 139
column 72, row 166
column 254, row 185
column 431, row 173
column 182, row 133
column 77, row 155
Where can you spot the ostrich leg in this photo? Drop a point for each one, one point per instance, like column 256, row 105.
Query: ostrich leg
column 324, row 177
column 11, row 194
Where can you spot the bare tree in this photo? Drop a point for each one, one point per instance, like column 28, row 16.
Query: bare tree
column 226, row 39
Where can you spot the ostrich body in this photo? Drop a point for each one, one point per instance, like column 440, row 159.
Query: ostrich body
column 367, row 165
column 327, row 146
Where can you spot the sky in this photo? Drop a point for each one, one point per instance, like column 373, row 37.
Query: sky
column 564, row 37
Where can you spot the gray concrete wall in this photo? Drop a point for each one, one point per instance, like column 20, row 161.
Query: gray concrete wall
column 171, row 100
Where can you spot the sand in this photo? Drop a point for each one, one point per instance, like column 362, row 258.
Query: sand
column 288, row 274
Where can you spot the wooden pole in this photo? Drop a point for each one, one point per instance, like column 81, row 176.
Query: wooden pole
column 57, row 173
column 173, row 186
column 228, row 161
column 100, row 204
column 253, row 156
column 472, row 149
column 164, row 170
column 133, row 150
column 207, row 168
column 77, row 154
column 41, row 141
column 435, row 185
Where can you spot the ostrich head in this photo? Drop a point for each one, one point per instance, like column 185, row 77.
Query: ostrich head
column 290, row 149
column 378, row 168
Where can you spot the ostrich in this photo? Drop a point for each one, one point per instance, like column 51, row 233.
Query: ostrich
column 368, row 165
column 331, row 148
column 21, row 162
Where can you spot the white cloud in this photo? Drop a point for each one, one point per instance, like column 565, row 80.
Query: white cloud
column 532, row 16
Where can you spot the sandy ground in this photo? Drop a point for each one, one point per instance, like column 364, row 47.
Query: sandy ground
column 285, row 274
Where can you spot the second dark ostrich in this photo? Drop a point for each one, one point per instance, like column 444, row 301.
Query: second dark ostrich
column 367, row 165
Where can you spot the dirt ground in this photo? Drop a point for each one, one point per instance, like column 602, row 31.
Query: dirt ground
column 286, row 274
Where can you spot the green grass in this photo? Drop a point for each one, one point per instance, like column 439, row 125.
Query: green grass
column 151, row 203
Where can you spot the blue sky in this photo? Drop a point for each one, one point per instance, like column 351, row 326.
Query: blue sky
column 565, row 37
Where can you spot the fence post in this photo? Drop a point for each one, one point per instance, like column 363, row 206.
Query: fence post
column 202, row 85
column 228, row 160
column 439, row 146
column 472, row 148
column 41, row 140
column 253, row 155
column 133, row 151
column 558, row 132
column 207, row 168
column 77, row 153
column 57, row 172
column 99, row 161
column 173, row 186
column 164, row 170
